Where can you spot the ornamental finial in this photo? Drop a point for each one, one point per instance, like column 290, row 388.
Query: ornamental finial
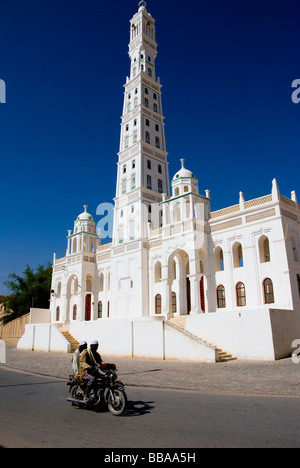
column 142, row 4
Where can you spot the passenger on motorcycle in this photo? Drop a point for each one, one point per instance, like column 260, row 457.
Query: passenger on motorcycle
column 89, row 359
column 76, row 357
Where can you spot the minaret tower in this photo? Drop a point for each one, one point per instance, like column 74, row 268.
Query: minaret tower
column 142, row 167
column 143, row 175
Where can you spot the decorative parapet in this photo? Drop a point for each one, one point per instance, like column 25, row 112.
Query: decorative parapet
column 258, row 201
column 238, row 208
column 225, row 211
column 59, row 261
column 288, row 201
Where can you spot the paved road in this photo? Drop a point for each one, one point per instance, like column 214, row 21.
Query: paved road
column 34, row 413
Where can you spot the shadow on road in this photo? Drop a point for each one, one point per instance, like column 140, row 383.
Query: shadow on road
column 138, row 408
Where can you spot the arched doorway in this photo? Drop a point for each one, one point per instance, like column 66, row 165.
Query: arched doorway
column 202, row 295
column 188, row 296
column 180, row 284
column 72, row 291
column 88, row 307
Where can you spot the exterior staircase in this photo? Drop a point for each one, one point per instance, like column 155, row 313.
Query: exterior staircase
column 74, row 343
column 180, row 321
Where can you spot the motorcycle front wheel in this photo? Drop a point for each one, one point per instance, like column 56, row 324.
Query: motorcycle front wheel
column 117, row 405
column 77, row 393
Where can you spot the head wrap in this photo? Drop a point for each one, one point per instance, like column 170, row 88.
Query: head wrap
column 94, row 342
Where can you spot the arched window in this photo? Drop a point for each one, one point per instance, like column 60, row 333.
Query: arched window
column 174, row 303
column 100, row 309
column 221, row 300
column 237, row 252
column 219, row 259
column 158, row 304
column 160, row 186
column 58, row 291
column 157, row 272
column 264, row 249
column 88, row 283
column 101, row 282
column 268, row 291
column 75, row 312
column 57, row 314
column 74, row 286
column 240, row 295
column 295, row 252
column 177, row 213
column 174, row 270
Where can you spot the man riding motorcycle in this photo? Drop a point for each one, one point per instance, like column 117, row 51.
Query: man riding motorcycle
column 89, row 360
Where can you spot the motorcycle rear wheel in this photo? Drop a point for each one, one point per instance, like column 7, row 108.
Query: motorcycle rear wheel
column 118, row 405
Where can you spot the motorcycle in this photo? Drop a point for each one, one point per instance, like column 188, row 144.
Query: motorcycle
column 105, row 391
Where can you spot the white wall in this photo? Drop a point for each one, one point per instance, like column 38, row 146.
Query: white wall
column 250, row 334
column 142, row 338
column 43, row 337
column 40, row 316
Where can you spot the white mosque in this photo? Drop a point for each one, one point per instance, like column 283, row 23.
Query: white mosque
column 178, row 281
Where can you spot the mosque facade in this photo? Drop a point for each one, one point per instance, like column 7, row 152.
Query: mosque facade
column 178, row 275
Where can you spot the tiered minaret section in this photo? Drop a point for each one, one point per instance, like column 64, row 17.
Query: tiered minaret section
column 142, row 167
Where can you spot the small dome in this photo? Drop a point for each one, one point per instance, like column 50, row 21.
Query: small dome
column 142, row 5
column 85, row 216
column 183, row 173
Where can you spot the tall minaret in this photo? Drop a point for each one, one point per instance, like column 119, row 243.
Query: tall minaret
column 143, row 174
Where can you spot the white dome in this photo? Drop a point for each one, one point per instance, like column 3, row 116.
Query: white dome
column 85, row 216
column 183, row 173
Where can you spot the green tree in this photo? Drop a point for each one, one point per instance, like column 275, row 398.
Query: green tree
column 32, row 289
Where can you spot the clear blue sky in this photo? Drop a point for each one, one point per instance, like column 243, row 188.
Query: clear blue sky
column 226, row 69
